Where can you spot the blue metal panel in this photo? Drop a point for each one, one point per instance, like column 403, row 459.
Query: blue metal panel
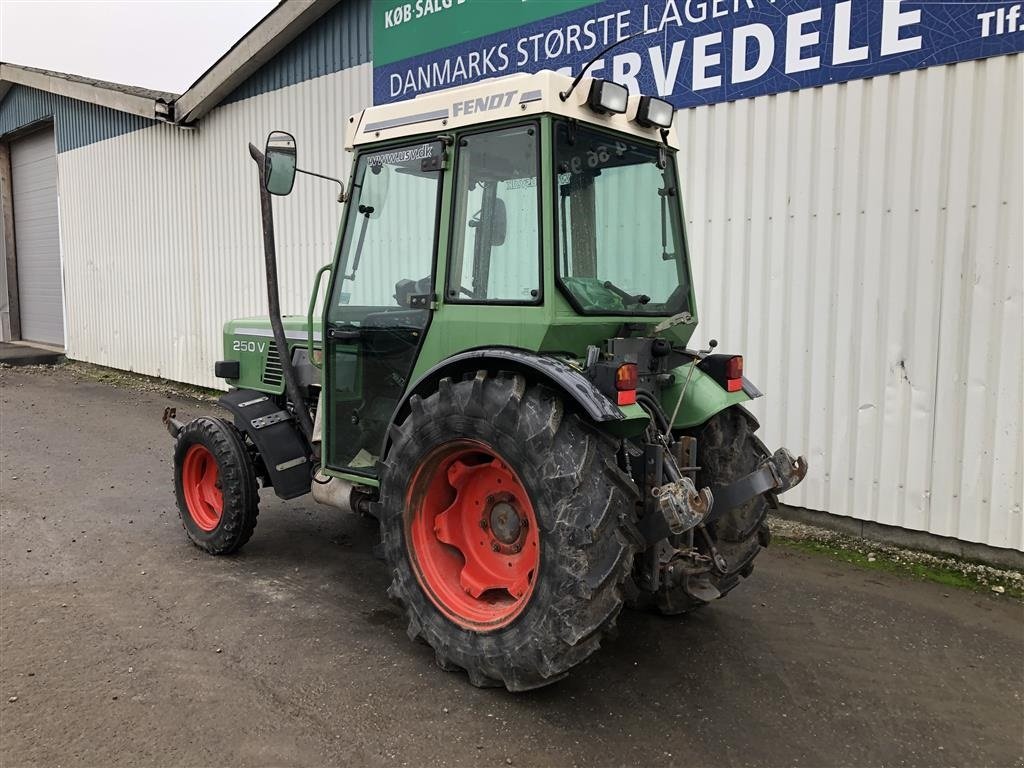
column 76, row 123
column 339, row 39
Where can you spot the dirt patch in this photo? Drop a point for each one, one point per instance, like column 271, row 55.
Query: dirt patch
column 76, row 371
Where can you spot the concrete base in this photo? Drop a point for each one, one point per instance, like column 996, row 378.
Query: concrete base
column 904, row 537
column 22, row 353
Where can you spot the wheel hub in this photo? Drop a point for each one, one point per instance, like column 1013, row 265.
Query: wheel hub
column 505, row 523
column 472, row 535
column 200, row 481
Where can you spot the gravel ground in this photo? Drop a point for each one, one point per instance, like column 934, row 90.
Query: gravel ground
column 122, row 644
column 995, row 579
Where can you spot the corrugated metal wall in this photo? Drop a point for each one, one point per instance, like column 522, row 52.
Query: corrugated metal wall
column 77, row 123
column 340, row 39
column 861, row 243
column 159, row 254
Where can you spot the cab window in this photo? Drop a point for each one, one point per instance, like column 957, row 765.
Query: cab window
column 495, row 254
column 388, row 251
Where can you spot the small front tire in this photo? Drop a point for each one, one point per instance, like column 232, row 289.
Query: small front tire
column 215, row 485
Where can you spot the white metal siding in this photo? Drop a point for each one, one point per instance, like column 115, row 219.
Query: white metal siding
column 37, row 237
column 164, row 249
column 5, row 300
column 861, row 244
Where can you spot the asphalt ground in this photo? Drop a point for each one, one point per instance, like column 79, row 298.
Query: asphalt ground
column 123, row 644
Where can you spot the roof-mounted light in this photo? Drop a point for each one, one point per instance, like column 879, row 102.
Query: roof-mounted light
column 607, row 97
column 654, row 113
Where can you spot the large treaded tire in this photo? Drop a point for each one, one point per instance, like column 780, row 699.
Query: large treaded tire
column 585, row 507
column 727, row 449
column 238, row 485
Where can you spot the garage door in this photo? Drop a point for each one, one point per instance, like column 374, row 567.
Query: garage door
column 36, row 237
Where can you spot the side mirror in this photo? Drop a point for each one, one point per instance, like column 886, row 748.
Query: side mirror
column 280, row 163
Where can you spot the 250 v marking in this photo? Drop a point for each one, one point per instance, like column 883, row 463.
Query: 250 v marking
column 249, row 346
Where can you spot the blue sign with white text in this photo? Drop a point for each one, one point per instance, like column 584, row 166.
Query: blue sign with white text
column 696, row 52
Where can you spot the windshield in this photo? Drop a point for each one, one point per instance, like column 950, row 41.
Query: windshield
column 620, row 243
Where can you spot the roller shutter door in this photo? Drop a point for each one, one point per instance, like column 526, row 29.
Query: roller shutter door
column 36, row 237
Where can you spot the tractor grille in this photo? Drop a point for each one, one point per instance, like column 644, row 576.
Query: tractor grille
column 273, row 373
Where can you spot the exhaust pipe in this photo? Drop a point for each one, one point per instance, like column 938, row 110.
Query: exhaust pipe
column 340, row 494
column 274, row 302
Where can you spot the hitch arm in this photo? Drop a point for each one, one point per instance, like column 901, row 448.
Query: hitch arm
column 777, row 474
column 173, row 425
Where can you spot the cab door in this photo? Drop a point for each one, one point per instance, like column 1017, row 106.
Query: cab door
column 381, row 298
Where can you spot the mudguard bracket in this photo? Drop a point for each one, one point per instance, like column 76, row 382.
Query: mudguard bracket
column 281, row 444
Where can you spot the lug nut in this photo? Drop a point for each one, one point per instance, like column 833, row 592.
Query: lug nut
column 483, row 524
column 495, row 547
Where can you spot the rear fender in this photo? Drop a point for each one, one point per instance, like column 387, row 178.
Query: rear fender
column 555, row 373
column 278, row 438
column 704, row 397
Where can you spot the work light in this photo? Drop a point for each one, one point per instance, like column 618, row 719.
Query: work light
column 654, row 113
column 607, row 97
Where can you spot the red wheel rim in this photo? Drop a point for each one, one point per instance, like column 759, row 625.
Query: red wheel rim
column 472, row 535
column 200, row 480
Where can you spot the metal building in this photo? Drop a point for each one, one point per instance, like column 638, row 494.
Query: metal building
column 860, row 241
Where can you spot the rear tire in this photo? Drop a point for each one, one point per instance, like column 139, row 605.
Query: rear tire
column 727, row 449
column 215, row 485
column 526, row 634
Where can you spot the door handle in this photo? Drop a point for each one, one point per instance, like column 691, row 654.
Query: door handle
column 344, row 333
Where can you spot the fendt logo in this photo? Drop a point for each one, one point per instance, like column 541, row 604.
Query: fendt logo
column 483, row 104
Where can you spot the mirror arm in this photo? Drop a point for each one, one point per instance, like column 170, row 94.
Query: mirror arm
column 341, row 193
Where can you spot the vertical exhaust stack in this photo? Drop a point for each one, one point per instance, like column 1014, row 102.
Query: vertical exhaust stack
column 274, row 302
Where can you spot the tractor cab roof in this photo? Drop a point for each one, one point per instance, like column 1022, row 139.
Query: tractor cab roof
column 488, row 101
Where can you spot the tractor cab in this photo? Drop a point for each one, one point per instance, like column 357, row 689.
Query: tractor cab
column 498, row 372
column 501, row 214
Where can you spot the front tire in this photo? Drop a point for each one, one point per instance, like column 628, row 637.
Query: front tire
column 508, row 527
column 215, row 485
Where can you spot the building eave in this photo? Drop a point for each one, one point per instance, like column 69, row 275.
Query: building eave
column 112, row 95
column 260, row 45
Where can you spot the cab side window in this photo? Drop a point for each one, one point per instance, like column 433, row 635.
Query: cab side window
column 495, row 254
column 388, row 250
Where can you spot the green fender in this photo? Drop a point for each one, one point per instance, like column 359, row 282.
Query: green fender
column 704, row 397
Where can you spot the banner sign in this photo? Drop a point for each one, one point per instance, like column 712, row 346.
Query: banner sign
column 692, row 52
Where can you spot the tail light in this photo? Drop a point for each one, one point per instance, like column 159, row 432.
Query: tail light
column 734, row 374
column 626, row 378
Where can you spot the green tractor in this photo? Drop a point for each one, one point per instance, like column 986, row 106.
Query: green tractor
column 500, row 376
